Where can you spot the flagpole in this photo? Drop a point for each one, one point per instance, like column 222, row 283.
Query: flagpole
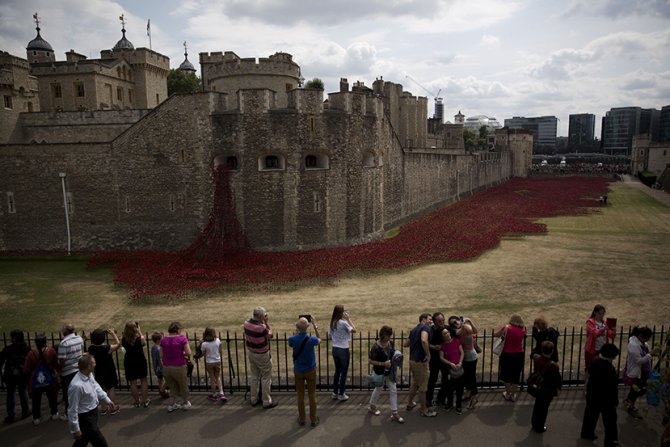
column 149, row 32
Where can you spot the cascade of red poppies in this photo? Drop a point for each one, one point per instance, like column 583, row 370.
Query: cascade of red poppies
column 220, row 255
column 222, row 236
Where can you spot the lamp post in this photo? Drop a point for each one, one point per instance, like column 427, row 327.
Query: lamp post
column 62, row 176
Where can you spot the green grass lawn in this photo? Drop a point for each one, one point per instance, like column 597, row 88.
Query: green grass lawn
column 619, row 256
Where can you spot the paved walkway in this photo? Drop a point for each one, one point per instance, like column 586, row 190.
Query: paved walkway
column 657, row 194
column 493, row 423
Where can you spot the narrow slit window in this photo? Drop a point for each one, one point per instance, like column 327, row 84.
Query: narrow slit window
column 11, row 206
column 317, row 202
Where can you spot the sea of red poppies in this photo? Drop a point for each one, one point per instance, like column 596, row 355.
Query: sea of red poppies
column 458, row 232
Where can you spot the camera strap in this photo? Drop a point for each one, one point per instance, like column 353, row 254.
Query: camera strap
column 302, row 346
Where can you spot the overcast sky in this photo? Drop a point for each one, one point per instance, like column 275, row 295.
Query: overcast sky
column 490, row 57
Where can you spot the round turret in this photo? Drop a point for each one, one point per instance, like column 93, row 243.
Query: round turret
column 123, row 44
column 38, row 43
column 186, row 66
column 38, row 49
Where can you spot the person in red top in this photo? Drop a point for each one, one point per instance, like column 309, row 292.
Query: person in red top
column 597, row 335
column 48, row 357
column 451, row 355
column 512, row 357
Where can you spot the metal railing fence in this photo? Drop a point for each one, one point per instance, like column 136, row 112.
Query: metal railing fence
column 235, row 369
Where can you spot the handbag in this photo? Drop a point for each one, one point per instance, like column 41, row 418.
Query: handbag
column 478, row 349
column 456, row 372
column 375, row 380
column 499, row 343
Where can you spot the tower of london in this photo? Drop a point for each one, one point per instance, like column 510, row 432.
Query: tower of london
column 133, row 168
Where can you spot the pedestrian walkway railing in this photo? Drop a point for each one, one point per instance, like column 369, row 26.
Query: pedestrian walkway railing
column 236, row 371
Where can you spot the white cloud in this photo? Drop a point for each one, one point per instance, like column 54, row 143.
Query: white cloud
column 490, row 41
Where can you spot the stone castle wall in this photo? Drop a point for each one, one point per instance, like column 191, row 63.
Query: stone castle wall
column 91, row 126
column 151, row 187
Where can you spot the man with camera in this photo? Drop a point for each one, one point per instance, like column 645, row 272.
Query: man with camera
column 304, row 366
column 257, row 333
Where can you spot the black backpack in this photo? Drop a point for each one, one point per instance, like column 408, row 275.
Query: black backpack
column 16, row 356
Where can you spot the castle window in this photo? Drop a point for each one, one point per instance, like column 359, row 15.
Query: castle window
column 118, row 72
column 271, row 163
column 119, row 94
column 29, row 105
column 158, row 99
column 173, row 205
column 11, row 208
column 130, row 96
column 56, row 90
column 127, row 204
column 183, row 156
column 317, row 202
column 8, row 102
column 79, row 89
column 311, row 124
column 316, row 161
column 231, row 163
column 369, row 160
column 289, row 87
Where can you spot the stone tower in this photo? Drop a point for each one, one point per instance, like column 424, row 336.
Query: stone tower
column 228, row 73
column 186, row 66
column 38, row 49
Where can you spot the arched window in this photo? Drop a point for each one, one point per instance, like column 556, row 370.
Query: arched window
column 369, row 160
column 231, row 162
column 271, row 163
column 316, row 161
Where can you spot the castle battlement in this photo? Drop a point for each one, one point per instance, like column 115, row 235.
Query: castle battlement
column 138, row 56
column 219, row 64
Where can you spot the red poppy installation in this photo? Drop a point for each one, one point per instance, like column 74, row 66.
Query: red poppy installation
column 220, row 256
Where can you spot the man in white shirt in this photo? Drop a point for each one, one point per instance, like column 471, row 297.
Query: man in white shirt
column 84, row 395
column 70, row 349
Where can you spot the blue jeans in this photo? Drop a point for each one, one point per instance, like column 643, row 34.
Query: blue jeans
column 341, row 360
column 20, row 385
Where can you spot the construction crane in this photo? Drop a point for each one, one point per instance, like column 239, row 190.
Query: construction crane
column 439, row 105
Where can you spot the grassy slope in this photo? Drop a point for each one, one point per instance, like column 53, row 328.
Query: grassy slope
column 619, row 257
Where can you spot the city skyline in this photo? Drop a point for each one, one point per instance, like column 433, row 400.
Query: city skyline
column 500, row 59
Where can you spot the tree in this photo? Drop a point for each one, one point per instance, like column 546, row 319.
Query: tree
column 314, row 83
column 483, row 138
column 179, row 81
column 470, row 140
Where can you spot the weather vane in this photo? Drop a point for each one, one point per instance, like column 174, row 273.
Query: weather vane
column 37, row 20
column 123, row 20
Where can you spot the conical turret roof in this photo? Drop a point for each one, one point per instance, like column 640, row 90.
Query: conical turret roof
column 38, row 43
column 123, row 43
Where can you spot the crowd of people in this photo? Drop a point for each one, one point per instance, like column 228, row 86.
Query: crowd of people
column 439, row 348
